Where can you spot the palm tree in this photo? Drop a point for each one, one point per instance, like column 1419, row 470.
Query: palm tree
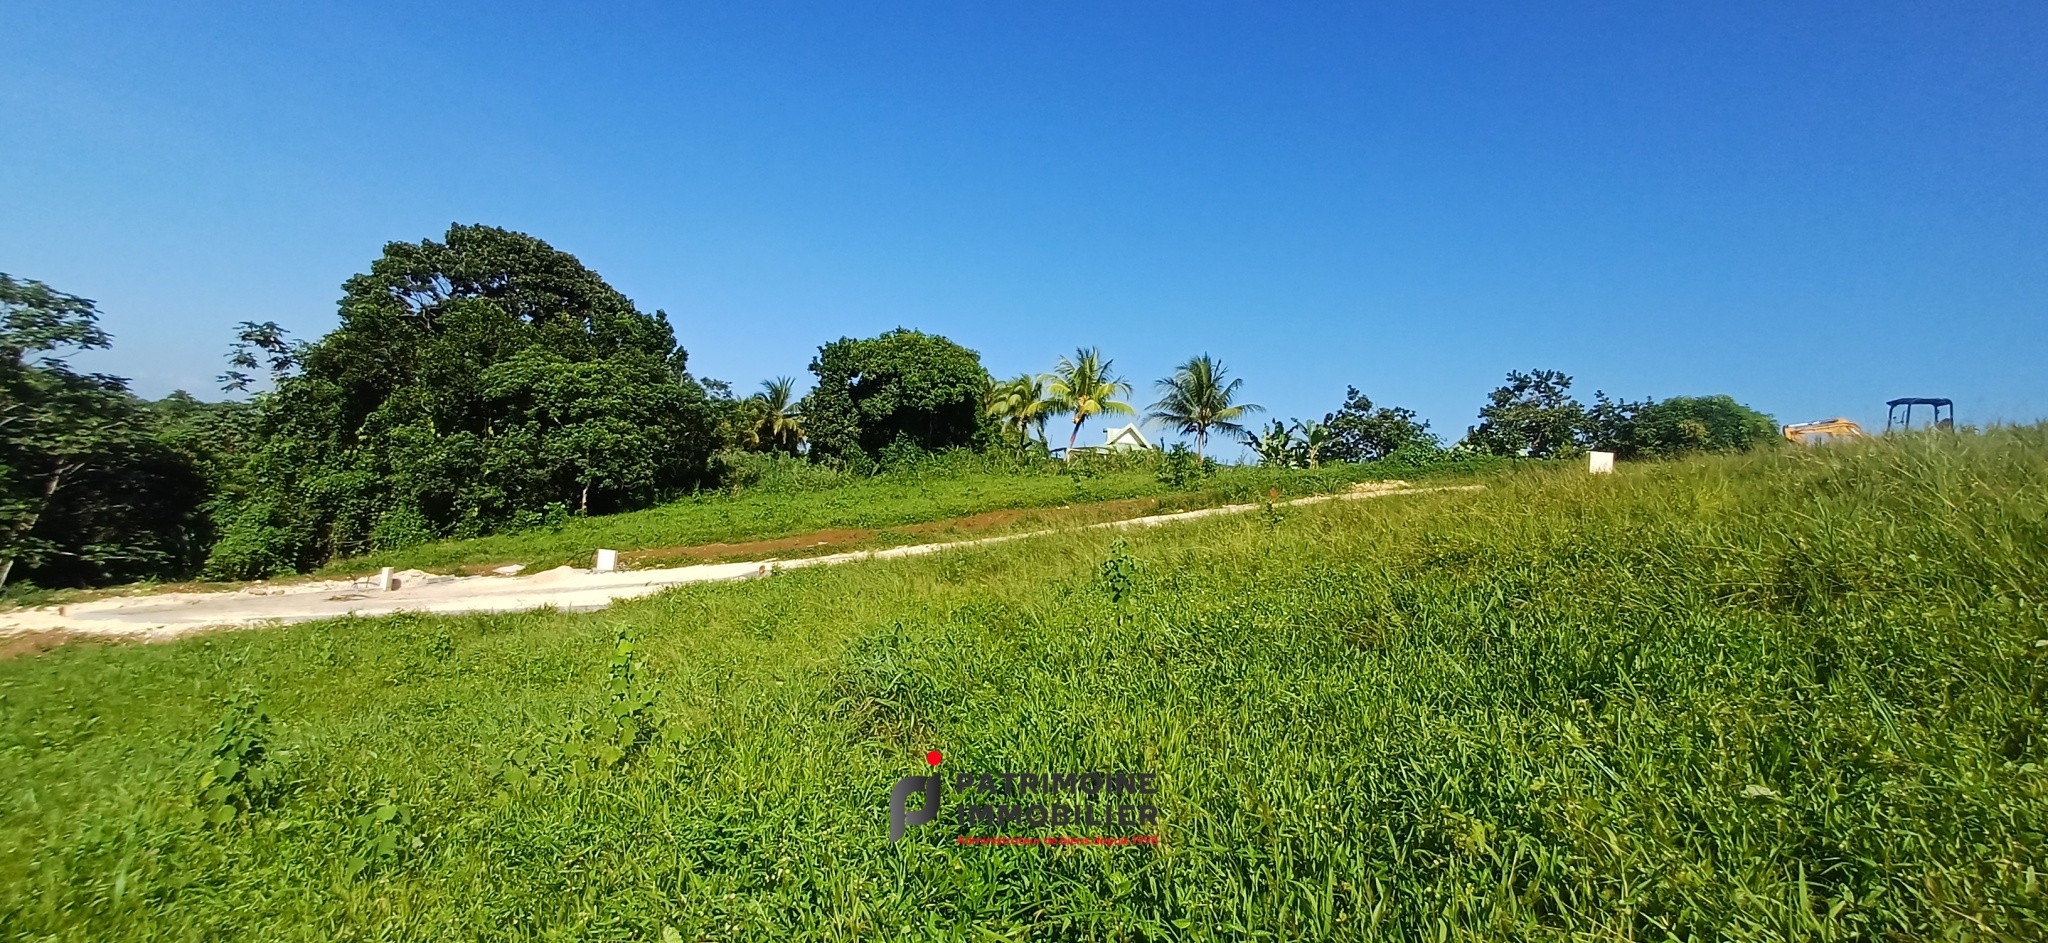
column 1020, row 404
column 1085, row 386
column 1198, row 398
column 776, row 424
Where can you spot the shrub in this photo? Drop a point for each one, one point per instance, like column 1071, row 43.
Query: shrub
column 904, row 386
column 252, row 547
column 1180, row 469
column 1361, row 432
column 774, row 472
column 237, row 777
column 401, row 527
column 1680, row 425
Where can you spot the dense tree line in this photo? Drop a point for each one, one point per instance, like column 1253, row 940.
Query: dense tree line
column 488, row 381
column 95, row 485
column 1534, row 414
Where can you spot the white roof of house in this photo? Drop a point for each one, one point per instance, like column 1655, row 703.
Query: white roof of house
column 1128, row 435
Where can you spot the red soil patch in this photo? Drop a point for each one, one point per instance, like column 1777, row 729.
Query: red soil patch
column 850, row 538
column 704, row 552
column 990, row 520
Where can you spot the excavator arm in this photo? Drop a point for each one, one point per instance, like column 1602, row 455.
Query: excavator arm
column 1809, row 432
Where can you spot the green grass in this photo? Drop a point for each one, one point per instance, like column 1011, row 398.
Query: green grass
column 918, row 495
column 1795, row 695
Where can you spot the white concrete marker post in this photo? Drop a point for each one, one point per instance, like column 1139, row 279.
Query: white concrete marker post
column 607, row 561
column 385, row 583
column 1600, row 463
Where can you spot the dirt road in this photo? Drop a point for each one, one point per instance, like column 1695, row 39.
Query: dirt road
column 169, row 615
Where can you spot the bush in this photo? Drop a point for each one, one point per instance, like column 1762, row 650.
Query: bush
column 1180, row 469
column 401, row 527
column 1098, row 461
column 773, row 472
column 1680, row 425
column 252, row 547
column 553, row 518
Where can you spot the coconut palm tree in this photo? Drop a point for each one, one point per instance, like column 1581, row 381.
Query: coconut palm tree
column 777, row 426
column 1083, row 387
column 1199, row 397
column 1020, row 405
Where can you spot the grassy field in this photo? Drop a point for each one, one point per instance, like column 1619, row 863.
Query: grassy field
column 936, row 491
column 1795, row 695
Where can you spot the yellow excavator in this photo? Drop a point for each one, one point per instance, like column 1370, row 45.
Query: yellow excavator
column 1901, row 419
column 1810, row 433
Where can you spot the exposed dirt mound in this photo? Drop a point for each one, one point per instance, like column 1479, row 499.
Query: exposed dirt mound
column 31, row 643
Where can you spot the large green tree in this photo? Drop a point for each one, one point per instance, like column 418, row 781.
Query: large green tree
column 473, row 383
column 1533, row 414
column 1199, row 397
column 1362, row 432
column 905, row 389
column 88, row 491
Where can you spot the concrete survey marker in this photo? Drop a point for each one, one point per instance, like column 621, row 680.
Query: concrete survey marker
column 169, row 615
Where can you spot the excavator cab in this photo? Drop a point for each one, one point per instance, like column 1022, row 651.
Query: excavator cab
column 1901, row 415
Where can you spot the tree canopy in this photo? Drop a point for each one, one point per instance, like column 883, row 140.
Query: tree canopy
column 1533, row 414
column 903, row 389
column 473, row 383
column 1676, row 426
column 88, row 492
column 1362, row 432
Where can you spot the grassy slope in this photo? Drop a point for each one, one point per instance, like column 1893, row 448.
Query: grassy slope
column 861, row 503
column 1797, row 695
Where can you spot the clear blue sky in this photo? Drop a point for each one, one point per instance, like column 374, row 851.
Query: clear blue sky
column 1812, row 207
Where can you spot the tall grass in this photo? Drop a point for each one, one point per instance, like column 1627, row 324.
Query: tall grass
column 1795, row 695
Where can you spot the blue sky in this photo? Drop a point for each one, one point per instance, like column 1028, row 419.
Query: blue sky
column 1811, row 207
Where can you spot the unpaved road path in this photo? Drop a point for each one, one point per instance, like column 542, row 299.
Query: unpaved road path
column 169, row 615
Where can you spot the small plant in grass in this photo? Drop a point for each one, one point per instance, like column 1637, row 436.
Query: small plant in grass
column 1079, row 471
column 616, row 734
column 1119, row 576
column 379, row 837
column 531, row 759
column 238, row 778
